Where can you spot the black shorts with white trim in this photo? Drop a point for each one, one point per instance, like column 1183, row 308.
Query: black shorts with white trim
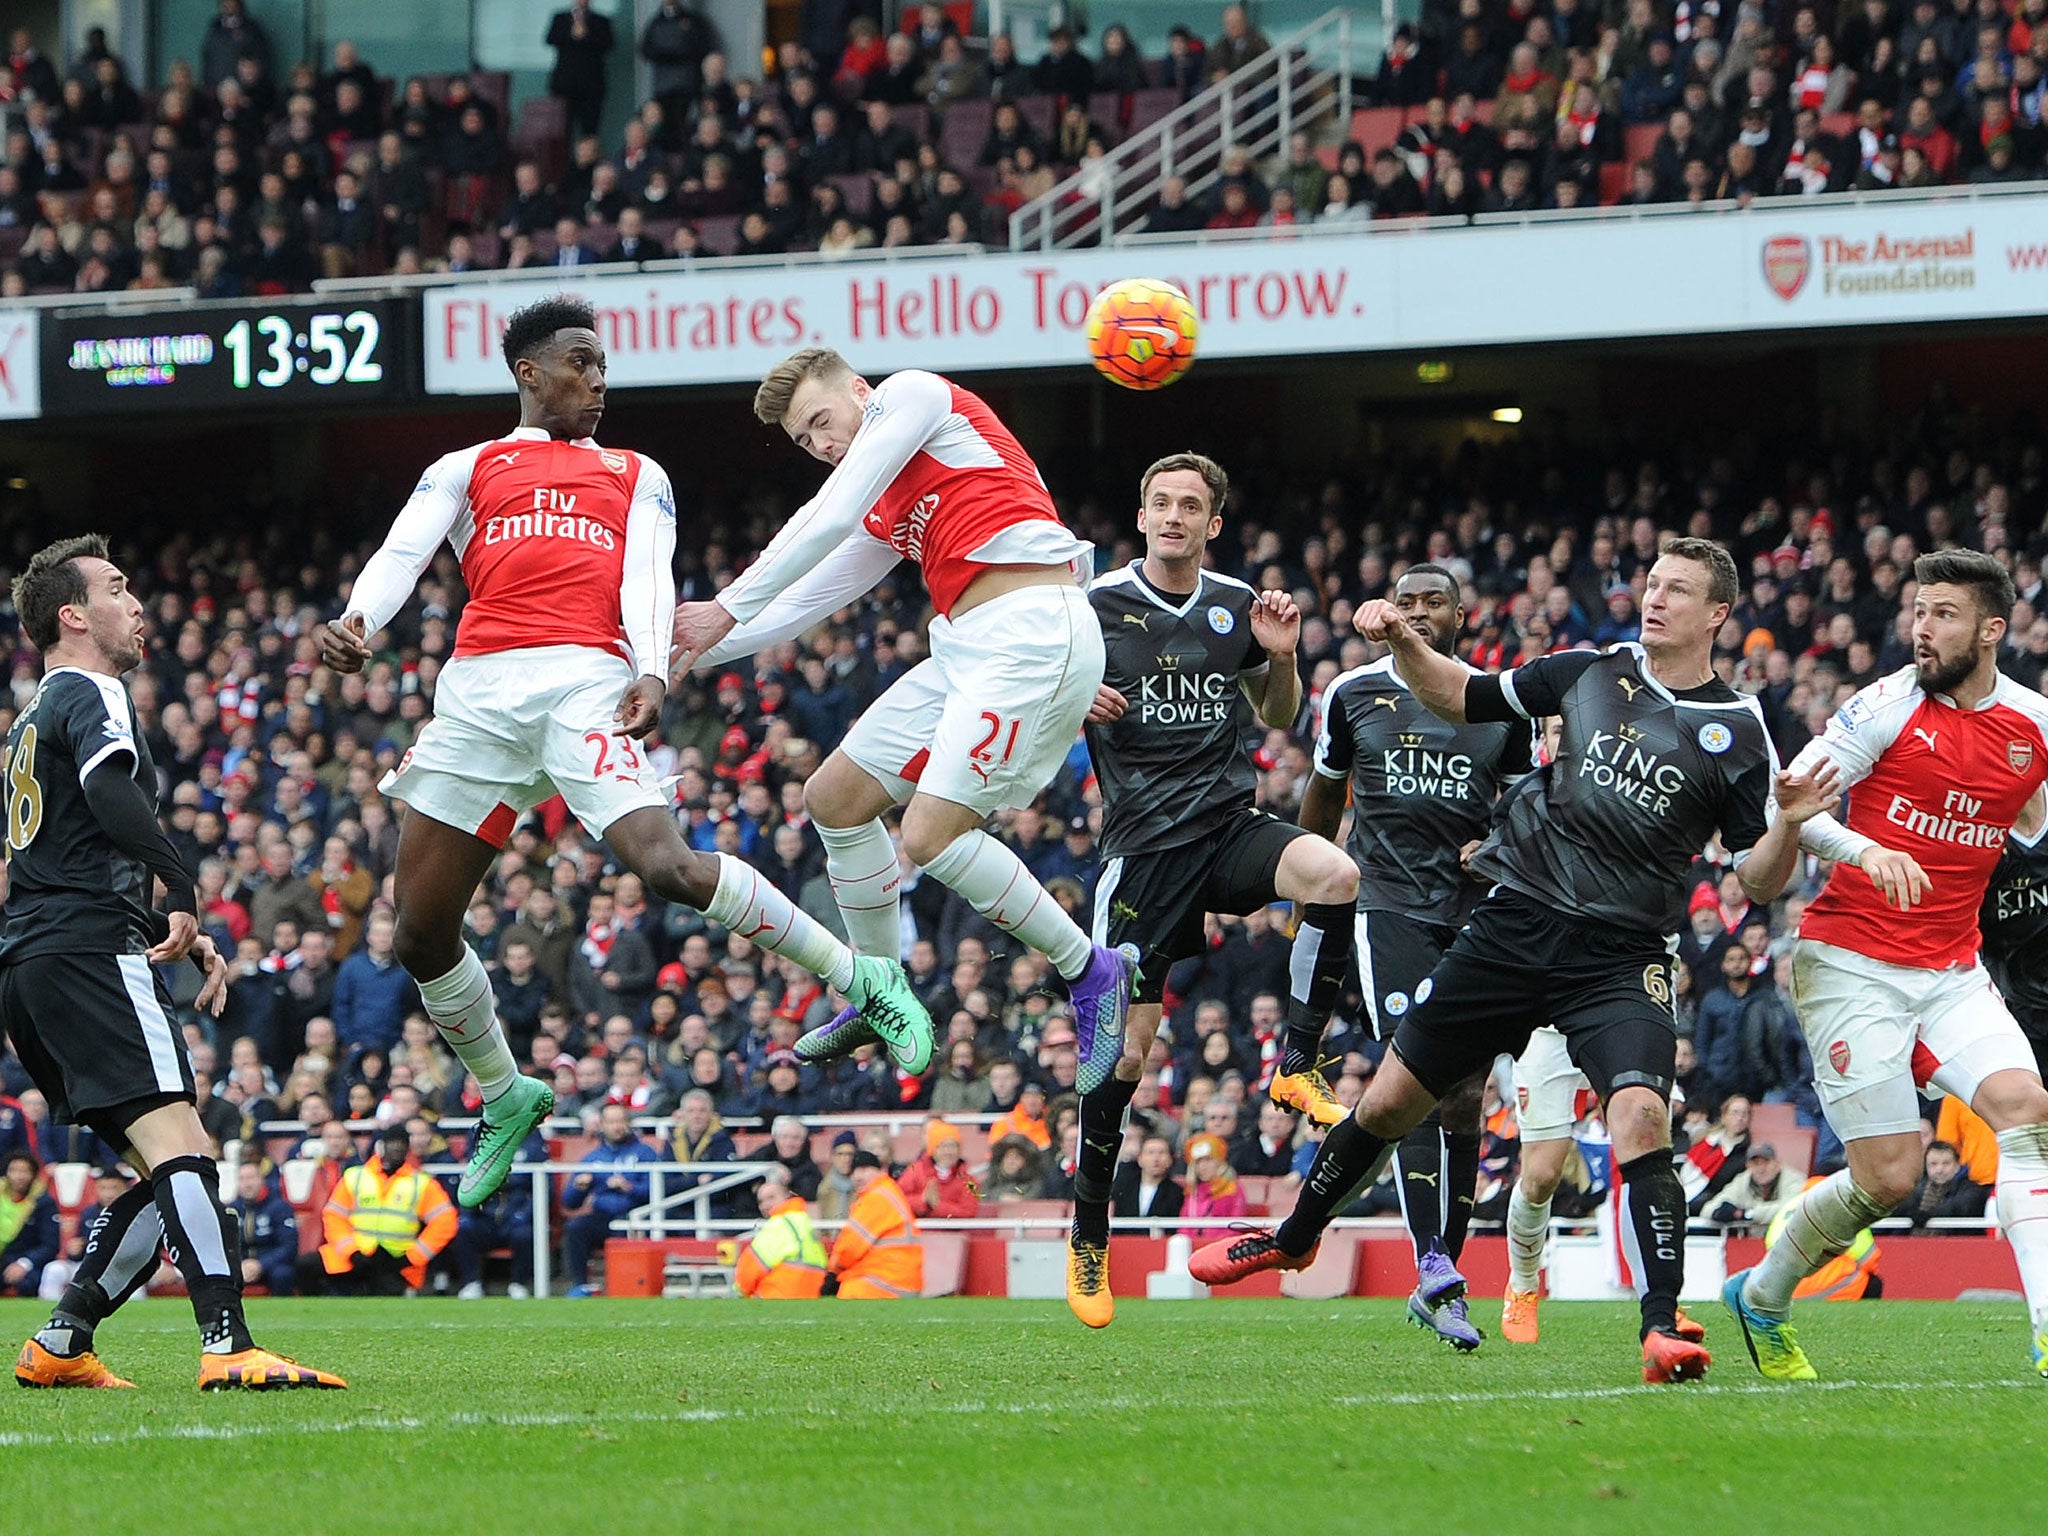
column 1517, row 965
column 1157, row 901
column 97, row 1036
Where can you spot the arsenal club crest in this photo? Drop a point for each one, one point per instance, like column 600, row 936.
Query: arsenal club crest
column 1787, row 260
column 1838, row 1056
column 2019, row 755
column 615, row 462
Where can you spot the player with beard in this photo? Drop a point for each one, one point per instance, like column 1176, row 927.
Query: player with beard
column 1943, row 759
column 1191, row 658
column 79, row 998
column 1422, row 791
column 1588, row 862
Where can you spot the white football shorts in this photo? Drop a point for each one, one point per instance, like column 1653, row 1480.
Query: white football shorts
column 511, row 728
column 988, row 718
column 1878, row 1031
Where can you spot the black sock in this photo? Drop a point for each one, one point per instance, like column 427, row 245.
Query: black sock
column 1461, row 1174
column 1102, row 1132
column 1419, row 1173
column 205, row 1243
column 120, row 1255
column 1350, row 1154
column 1653, row 1234
column 1322, row 954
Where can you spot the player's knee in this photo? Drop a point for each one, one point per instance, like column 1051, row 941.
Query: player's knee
column 1888, row 1183
column 423, row 954
column 924, row 838
column 2012, row 1098
column 682, row 874
column 1639, row 1121
column 1335, row 881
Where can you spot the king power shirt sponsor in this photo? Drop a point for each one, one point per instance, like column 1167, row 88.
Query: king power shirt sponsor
column 1777, row 265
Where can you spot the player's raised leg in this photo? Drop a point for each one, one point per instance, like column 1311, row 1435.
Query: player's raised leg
column 1322, row 881
column 735, row 894
column 1356, row 1149
column 437, row 870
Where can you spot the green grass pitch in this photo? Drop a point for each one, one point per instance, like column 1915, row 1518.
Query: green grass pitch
column 968, row 1416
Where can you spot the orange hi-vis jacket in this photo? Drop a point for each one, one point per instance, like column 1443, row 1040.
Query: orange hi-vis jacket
column 877, row 1255
column 783, row 1260
column 407, row 1214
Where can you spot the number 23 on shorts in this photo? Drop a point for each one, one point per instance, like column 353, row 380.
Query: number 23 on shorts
column 623, row 772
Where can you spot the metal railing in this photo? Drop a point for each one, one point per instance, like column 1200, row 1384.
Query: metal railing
column 1304, row 81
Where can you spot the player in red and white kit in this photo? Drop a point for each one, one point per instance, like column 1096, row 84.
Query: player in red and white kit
column 1941, row 760
column 560, row 668
column 923, row 469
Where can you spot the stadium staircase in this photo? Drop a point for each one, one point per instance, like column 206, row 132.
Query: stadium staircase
column 1303, row 83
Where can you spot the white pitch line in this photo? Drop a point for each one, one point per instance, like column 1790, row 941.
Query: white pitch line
column 414, row 1425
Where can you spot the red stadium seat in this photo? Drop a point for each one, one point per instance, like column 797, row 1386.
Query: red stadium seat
column 1613, row 183
column 1767, row 1122
column 945, row 1263
column 1376, row 127
column 1640, row 141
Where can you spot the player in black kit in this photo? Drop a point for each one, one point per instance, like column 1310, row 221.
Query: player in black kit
column 1422, row 791
column 1587, row 861
column 2014, row 919
column 79, row 999
column 1189, row 653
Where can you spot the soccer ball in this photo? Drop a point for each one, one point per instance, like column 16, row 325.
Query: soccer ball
column 1141, row 333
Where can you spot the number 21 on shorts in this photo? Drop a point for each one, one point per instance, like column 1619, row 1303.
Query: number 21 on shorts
column 623, row 772
column 983, row 759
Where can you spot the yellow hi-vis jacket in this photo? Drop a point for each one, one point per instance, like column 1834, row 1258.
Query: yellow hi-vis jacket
column 783, row 1260
column 406, row 1214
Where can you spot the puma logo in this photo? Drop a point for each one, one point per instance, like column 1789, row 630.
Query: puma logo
column 1387, row 702
column 1138, row 619
column 1426, row 1178
column 1926, row 736
column 507, row 458
column 1630, row 687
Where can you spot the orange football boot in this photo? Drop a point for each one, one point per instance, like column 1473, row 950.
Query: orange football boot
column 1667, row 1357
column 37, row 1367
column 258, row 1370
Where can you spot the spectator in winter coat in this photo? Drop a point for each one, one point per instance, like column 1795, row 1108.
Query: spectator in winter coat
column 593, row 1200
column 937, row 1184
column 521, row 994
column 697, row 1135
column 1212, row 1188
column 1756, row 1194
column 790, row 1145
column 1016, row 1171
column 372, row 992
column 28, row 1227
column 1945, row 1188
column 270, row 1232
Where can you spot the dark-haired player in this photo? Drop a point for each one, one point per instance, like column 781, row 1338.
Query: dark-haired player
column 923, row 470
column 1422, row 791
column 560, row 668
column 79, row 997
column 1941, row 761
column 1588, row 861
column 1192, row 657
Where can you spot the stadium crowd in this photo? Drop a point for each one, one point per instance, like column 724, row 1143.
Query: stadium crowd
column 249, row 175
column 271, row 764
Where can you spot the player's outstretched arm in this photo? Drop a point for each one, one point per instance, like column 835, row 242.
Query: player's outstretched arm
column 390, row 575
column 901, row 416
column 647, row 599
column 1322, row 805
column 846, row 574
column 1796, row 798
column 1436, row 680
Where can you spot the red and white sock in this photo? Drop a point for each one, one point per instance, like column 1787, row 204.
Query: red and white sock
column 868, row 885
column 748, row 904
column 2023, row 1210
column 464, row 1010
column 994, row 882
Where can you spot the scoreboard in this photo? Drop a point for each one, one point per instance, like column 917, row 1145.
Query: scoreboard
column 228, row 357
